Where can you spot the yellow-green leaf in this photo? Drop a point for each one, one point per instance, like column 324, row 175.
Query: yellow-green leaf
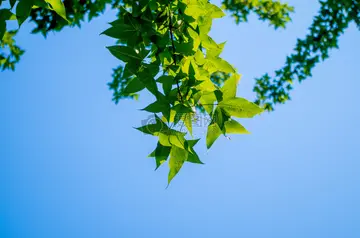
column 213, row 133
column 230, row 86
column 234, row 127
column 240, row 107
column 177, row 158
column 58, row 7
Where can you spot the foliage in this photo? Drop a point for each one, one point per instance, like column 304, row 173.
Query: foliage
column 275, row 12
column 332, row 20
column 165, row 48
column 167, row 43
column 164, row 43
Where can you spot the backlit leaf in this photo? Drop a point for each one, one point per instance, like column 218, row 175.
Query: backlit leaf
column 177, row 158
column 161, row 154
column 230, row 86
column 58, row 7
column 240, row 107
column 213, row 133
column 234, row 127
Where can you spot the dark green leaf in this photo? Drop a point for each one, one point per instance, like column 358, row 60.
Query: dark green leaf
column 158, row 106
column 167, row 82
column 161, row 154
column 23, row 9
column 124, row 53
column 2, row 29
column 12, row 3
column 135, row 85
column 121, row 31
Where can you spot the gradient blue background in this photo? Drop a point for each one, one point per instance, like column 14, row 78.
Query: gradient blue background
column 72, row 166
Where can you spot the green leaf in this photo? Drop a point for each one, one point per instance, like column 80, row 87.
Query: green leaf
column 206, row 85
column 23, row 9
column 121, row 31
column 207, row 101
column 6, row 14
column 155, row 128
column 193, row 157
column 192, row 143
column 153, row 5
column 181, row 108
column 185, row 48
column 58, row 7
column 240, row 107
column 199, row 58
column 218, row 64
column 177, row 158
column 146, row 77
column 215, row 12
column 135, row 85
column 158, row 106
column 214, row 50
column 167, row 82
column 131, row 68
column 194, row 11
column 187, row 118
column 161, row 154
column 234, row 127
column 151, row 129
column 12, row 3
column 2, row 29
column 124, row 53
column 185, row 64
column 213, row 133
column 219, row 117
column 230, row 86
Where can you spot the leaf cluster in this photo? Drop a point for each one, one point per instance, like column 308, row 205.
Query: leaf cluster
column 331, row 22
column 166, row 49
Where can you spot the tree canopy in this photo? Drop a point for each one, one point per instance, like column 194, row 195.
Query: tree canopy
column 165, row 48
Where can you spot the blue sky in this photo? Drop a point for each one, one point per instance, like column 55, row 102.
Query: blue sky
column 71, row 165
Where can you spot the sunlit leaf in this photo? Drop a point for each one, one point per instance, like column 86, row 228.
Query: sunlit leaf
column 213, row 133
column 161, row 154
column 58, row 7
column 240, row 107
column 234, row 127
column 177, row 158
column 230, row 86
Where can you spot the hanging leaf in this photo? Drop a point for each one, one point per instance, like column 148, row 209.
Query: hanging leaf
column 157, row 106
column 177, row 158
column 161, row 154
column 213, row 133
column 240, row 107
column 23, row 9
column 58, row 7
column 230, row 86
column 234, row 127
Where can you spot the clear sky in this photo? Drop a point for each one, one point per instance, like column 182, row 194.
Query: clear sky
column 71, row 165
